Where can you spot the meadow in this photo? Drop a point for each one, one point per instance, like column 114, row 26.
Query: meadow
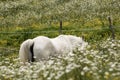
column 92, row 63
column 24, row 19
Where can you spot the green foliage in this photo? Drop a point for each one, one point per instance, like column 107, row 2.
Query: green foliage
column 28, row 12
column 19, row 35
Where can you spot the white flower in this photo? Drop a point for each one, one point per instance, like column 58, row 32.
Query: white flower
column 51, row 62
column 113, row 65
column 45, row 74
column 35, row 76
column 106, row 73
column 112, row 45
column 86, row 69
column 111, row 69
column 82, row 73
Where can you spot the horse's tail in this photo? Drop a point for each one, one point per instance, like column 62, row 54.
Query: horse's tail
column 31, row 58
column 25, row 50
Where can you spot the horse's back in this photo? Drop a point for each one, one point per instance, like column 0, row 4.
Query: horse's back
column 41, row 40
column 61, row 44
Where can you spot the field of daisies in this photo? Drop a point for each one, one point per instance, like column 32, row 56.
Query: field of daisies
column 99, row 61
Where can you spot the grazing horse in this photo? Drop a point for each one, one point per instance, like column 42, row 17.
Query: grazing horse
column 43, row 47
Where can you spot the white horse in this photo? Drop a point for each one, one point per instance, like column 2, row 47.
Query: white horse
column 43, row 47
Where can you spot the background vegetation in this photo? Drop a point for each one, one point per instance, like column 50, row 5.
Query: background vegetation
column 35, row 16
column 23, row 19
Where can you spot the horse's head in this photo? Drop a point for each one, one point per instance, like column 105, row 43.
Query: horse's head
column 77, row 42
